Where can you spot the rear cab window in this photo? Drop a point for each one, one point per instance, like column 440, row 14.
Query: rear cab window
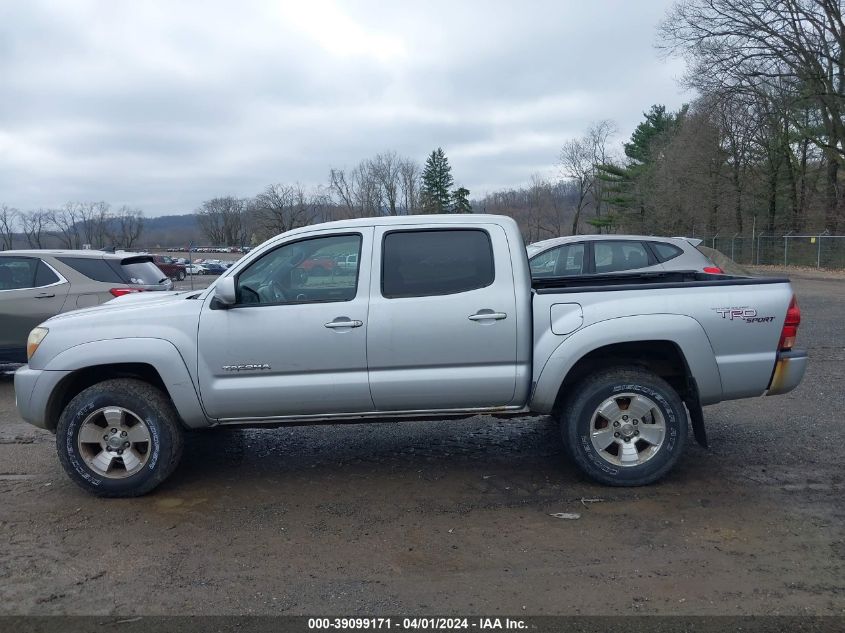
column 428, row 262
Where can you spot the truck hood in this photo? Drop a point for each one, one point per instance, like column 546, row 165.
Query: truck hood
column 165, row 316
column 135, row 300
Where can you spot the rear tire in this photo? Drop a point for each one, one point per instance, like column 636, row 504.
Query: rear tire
column 119, row 438
column 180, row 276
column 624, row 427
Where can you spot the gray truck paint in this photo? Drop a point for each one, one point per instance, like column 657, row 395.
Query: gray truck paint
column 416, row 356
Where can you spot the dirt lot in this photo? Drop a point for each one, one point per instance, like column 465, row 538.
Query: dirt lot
column 450, row 516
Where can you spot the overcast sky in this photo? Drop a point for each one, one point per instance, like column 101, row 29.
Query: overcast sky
column 162, row 105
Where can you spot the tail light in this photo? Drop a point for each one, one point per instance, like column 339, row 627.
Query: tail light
column 714, row 270
column 790, row 326
column 119, row 292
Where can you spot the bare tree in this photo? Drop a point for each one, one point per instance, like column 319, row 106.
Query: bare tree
column 124, row 229
column 93, row 222
column 223, row 221
column 409, row 182
column 385, row 169
column 35, row 225
column 8, row 222
column 280, row 208
column 65, row 223
column 579, row 158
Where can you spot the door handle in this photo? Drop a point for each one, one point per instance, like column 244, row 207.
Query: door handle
column 338, row 323
column 45, row 295
column 483, row 315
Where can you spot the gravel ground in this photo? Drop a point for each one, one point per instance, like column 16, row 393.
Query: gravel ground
column 440, row 517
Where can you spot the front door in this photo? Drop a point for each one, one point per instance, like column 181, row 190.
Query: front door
column 295, row 342
column 443, row 327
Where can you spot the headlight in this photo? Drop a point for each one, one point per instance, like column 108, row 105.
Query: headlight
column 34, row 340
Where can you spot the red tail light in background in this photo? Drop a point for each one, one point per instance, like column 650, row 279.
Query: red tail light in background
column 119, row 292
column 790, row 326
column 714, row 270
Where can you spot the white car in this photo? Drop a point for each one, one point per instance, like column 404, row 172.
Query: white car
column 196, row 269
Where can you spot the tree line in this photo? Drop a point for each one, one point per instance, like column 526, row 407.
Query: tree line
column 386, row 184
column 74, row 225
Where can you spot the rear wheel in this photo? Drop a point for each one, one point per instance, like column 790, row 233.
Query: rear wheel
column 624, row 427
column 119, row 438
column 180, row 276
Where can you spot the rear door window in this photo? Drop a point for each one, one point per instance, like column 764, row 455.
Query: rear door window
column 618, row 255
column 436, row 262
column 17, row 273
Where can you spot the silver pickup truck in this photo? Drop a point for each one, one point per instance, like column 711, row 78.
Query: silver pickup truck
column 438, row 319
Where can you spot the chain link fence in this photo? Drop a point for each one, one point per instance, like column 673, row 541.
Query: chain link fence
column 817, row 251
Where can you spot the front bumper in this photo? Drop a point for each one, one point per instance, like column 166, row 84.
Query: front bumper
column 33, row 388
column 789, row 370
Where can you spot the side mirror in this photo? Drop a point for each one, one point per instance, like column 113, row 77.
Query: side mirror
column 224, row 291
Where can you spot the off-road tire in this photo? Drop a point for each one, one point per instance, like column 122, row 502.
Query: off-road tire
column 156, row 411
column 587, row 396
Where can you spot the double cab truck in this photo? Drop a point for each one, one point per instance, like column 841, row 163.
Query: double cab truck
column 438, row 319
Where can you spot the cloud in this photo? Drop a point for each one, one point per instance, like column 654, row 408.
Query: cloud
column 162, row 105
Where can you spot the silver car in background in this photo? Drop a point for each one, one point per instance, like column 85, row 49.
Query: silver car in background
column 38, row 284
column 598, row 254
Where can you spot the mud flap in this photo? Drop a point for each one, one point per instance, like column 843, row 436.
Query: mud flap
column 696, row 414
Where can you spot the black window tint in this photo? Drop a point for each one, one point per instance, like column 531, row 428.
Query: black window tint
column 44, row 276
column 96, row 269
column 17, row 273
column 665, row 251
column 421, row 263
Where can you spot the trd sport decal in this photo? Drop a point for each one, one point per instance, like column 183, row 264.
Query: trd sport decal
column 749, row 315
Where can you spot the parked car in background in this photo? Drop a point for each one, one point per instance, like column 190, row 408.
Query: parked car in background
column 598, row 254
column 170, row 267
column 212, row 268
column 38, row 284
column 318, row 266
column 195, row 269
column 347, row 263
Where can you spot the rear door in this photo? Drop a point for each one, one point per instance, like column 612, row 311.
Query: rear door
column 30, row 293
column 442, row 328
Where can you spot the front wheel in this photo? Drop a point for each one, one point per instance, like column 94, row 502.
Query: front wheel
column 119, row 438
column 624, row 427
column 180, row 276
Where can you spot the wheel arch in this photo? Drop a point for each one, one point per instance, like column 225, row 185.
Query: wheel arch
column 674, row 347
column 154, row 361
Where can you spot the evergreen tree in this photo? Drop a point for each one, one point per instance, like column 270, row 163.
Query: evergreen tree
column 460, row 201
column 625, row 186
column 436, row 182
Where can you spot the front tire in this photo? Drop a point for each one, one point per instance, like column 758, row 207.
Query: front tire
column 624, row 427
column 119, row 438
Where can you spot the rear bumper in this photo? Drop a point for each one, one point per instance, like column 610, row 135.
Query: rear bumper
column 789, row 370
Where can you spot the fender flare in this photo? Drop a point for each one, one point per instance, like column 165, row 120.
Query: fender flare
column 684, row 331
column 160, row 354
